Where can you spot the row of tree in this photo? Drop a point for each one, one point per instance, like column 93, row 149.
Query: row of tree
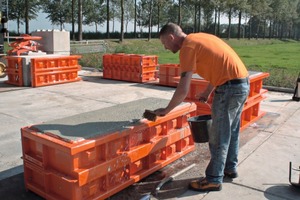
column 256, row 18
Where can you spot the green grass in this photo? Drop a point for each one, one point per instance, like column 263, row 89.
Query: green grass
column 280, row 58
column 284, row 55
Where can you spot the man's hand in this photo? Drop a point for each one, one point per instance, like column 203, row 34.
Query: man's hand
column 161, row 112
column 202, row 97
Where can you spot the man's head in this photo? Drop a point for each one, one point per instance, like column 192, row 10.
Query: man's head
column 172, row 36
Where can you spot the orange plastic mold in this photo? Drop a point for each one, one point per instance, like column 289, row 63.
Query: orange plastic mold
column 54, row 77
column 130, row 67
column 116, row 59
column 143, row 60
column 143, row 77
column 14, row 70
column 99, row 167
column 172, row 70
column 252, row 112
column 167, row 80
column 107, row 61
column 256, row 83
column 54, row 70
column 54, row 63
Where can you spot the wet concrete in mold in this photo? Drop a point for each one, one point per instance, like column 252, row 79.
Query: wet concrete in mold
column 102, row 121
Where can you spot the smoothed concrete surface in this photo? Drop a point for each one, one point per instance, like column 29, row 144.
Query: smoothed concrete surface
column 100, row 122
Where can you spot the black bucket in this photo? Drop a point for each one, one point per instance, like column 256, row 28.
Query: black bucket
column 200, row 126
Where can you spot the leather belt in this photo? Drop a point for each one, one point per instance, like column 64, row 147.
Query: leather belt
column 236, row 81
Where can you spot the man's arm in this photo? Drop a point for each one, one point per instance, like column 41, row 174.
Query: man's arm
column 203, row 96
column 179, row 94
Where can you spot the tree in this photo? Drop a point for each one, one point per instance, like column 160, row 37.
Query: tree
column 23, row 11
column 258, row 10
column 231, row 8
column 242, row 7
column 72, row 19
column 58, row 12
column 128, row 13
column 219, row 7
column 197, row 13
column 115, row 8
column 31, row 9
column 208, row 11
column 79, row 20
column 297, row 23
column 144, row 15
column 107, row 18
column 179, row 12
column 165, row 11
column 16, row 12
column 135, row 18
column 122, row 21
column 291, row 17
column 94, row 12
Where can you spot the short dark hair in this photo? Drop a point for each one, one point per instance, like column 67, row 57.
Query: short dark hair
column 169, row 28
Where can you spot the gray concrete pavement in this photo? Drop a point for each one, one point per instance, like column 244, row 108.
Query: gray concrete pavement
column 263, row 159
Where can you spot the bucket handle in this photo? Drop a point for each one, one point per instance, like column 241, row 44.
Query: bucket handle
column 209, row 99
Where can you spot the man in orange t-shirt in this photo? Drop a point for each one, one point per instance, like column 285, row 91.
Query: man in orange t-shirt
column 216, row 62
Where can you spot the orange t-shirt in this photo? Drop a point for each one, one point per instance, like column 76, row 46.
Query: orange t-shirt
column 211, row 58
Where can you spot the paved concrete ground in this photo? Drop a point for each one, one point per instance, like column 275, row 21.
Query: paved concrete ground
column 267, row 146
column 264, row 160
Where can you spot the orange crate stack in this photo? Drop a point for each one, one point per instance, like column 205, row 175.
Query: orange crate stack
column 250, row 114
column 14, row 70
column 130, row 67
column 116, row 59
column 143, row 67
column 107, row 66
column 55, row 77
column 100, row 166
column 143, row 60
column 56, row 70
column 167, row 73
column 256, row 83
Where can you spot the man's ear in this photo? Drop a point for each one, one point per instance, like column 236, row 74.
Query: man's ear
column 171, row 37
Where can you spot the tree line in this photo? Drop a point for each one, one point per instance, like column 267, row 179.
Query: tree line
column 256, row 18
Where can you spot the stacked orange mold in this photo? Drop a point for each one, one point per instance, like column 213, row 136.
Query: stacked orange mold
column 251, row 111
column 167, row 73
column 130, row 67
column 54, row 70
column 57, row 166
column 14, row 70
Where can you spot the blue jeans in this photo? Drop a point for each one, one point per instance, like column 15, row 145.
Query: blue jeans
column 227, row 107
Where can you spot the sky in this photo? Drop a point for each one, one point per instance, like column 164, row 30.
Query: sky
column 42, row 23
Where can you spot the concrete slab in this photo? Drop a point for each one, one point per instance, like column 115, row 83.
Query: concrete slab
column 102, row 121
